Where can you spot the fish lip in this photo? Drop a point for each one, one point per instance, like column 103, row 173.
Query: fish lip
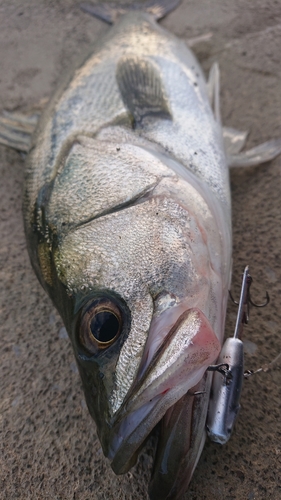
column 138, row 415
column 172, row 305
column 141, row 377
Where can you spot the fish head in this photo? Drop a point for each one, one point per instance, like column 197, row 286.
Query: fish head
column 138, row 294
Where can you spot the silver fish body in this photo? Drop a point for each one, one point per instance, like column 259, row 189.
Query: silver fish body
column 127, row 217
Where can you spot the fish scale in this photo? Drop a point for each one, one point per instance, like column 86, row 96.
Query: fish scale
column 128, row 224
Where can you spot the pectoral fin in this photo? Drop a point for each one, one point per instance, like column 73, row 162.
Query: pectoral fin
column 142, row 89
column 234, row 140
column 213, row 86
column 255, row 156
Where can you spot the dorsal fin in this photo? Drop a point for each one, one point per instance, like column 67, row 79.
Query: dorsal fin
column 109, row 12
column 142, row 89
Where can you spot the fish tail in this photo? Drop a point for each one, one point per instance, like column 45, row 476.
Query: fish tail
column 110, row 12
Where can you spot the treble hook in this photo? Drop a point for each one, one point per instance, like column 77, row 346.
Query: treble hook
column 247, row 280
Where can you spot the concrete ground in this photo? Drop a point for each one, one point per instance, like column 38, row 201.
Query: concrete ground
column 49, row 449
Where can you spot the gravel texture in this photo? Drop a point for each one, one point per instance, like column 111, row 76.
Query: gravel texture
column 49, row 449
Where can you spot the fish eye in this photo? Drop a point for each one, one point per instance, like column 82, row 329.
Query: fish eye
column 101, row 324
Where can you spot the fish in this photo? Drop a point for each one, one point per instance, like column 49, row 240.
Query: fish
column 127, row 215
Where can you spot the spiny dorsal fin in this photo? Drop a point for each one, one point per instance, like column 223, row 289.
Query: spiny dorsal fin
column 142, row 89
column 109, row 12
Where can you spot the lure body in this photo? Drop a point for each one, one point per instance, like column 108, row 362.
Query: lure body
column 225, row 402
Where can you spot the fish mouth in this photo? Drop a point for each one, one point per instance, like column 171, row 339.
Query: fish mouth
column 171, row 366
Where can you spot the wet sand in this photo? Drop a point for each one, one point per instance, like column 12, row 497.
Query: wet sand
column 49, row 448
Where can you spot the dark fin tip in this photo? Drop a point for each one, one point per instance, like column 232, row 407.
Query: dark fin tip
column 142, row 89
column 109, row 12
column 160, row 8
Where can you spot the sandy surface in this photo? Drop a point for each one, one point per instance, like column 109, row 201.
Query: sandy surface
column 49, row 449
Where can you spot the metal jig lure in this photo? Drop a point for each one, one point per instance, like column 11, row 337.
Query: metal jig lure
column 229, row 372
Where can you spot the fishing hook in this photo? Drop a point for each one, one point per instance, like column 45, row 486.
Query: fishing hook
column 247, row 299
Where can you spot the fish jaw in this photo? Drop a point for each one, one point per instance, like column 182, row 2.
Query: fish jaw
column 178, row 365
column 181, row 441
